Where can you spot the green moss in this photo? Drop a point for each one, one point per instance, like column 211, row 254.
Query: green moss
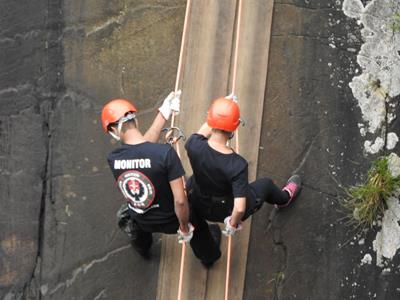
column 365, row 203
column 277, row 278
column 396, row 22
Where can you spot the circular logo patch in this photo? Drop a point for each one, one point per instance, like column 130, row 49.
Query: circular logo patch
column 137, row 188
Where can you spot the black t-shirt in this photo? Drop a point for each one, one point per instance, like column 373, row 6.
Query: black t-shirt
column 143, row 173
column 216, row 173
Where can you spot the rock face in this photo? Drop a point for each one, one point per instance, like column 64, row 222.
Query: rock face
column 311, row 126
column 60, row 61
column 30, row 61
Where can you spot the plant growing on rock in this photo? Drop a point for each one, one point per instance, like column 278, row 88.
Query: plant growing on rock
column 396, row 22
column 365, row 203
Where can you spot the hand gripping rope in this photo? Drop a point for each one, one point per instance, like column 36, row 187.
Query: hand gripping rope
column 173, row 139
column 228, row 258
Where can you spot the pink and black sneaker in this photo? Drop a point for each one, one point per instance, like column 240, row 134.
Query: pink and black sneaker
column 292, row 187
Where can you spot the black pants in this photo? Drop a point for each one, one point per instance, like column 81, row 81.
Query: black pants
column 265, row 190
column 202, row 243
column 216, row 209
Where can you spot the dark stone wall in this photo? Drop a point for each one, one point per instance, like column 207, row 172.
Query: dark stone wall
column 60, row 62
column 310, row 127
column 30, row 80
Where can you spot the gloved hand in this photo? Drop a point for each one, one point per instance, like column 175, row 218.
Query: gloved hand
column 229, row 229
column 171, row 103
column 176, row 102
column 231, row 96
column 185, row 237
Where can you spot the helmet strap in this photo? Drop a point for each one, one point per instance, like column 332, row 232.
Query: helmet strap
column 128, row 117
column 119, row 128
column 116, row 137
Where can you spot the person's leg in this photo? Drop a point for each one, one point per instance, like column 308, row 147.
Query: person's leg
column 142, row 242
column 267, row 191
column 204, row 246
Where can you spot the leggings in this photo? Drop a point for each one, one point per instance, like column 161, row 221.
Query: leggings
column 267, row 191
column 263, row 190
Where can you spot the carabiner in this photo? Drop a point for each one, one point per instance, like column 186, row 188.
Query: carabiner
column 173, row 135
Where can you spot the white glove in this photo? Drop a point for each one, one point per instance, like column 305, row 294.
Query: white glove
column 229, row 229
column 176, row 102
column 171, row 103
column 185, row 237
column 231, row 96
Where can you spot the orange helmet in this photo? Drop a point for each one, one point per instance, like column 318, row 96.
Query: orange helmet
column 115, row 110
column 224, row 114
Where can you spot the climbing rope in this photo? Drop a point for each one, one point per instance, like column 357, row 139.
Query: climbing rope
column 175, row 140
column 233, row 87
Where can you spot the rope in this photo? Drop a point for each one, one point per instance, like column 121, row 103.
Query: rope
column 235, row 60
column 177, row 84
column 181, row 271
column 183, row 44
column 228, row 267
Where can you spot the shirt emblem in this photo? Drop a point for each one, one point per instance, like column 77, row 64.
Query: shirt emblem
column 137, row 189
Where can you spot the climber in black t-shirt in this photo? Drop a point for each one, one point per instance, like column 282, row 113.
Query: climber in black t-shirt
column 149, row 175
column 219, row 190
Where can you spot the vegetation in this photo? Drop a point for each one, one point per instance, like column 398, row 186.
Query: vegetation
column 365, row 203
column 396, row 22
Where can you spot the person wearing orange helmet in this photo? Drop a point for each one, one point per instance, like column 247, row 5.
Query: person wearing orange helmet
column 219, row 190
column 149, row 175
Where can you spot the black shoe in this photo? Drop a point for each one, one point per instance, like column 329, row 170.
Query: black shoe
column 207, row 265
column 125, row 222
column 292, row 187
column 143, row 252
column 123, row 216
column 216, row 236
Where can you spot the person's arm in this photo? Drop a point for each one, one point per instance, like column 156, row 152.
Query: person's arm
column 234, row 221
column 239, row 209
column 205, row 130
column 170, row 105
column 154, row 132
column 239, row 188
column 181, row 204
